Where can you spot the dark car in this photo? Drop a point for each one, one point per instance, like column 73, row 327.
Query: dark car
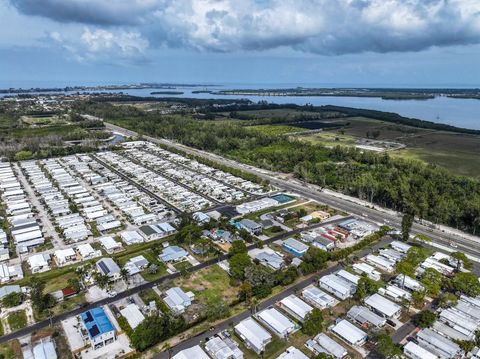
column 412, row 339
column 391, row 323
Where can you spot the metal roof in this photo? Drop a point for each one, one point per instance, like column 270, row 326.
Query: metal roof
column 382, row 305
column 253, row 332
column 296, row 305
column 96, row 322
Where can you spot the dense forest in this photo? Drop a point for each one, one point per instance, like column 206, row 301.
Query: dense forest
column 430, row 192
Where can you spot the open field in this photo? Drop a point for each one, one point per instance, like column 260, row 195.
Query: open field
column 210, row 284
column 37, row 121
column 274, row 130
column 454, row 151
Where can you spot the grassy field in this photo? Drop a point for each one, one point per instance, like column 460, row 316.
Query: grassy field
column 17, row 320
column 209, row 284
column 458, row 153
column 43, row 120
column 274, row 130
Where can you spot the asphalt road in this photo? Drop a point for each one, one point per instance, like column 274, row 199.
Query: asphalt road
column 263, row 305
column 137, row 289
column 466, row 245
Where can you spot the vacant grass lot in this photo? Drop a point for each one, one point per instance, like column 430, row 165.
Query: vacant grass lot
column 17, row 320
column 209, row 284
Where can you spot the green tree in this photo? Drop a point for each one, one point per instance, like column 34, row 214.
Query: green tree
column 313, row 323
column 366, row 287
column 40, row 301
column 466, row 283
column 431, row 280
column 238, row 263
column 447, row 300
column 238, row 246
column 425, row 318
column 154, row 329
column 287, row 276
column 462, row 258
column 217, row 309
column 13, row 299
column 407, row 222
column 387, row 348
column 261, row 279
column 23, row 155
column 418, row 298
column 74, row 283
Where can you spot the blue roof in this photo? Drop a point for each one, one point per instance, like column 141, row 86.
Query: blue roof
column 173, row 253
column 96, row 322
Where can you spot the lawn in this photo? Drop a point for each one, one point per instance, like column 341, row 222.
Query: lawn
column 181, row 266
column 11, row 350
column 59, row 282
column 69, row 303
column 209, row 284
column 17, row 320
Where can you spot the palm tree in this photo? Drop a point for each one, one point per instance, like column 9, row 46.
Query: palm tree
column 125, row 275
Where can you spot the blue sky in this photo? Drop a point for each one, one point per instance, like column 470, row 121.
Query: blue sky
column 317, row 42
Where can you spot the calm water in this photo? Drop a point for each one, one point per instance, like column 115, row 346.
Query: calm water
column 458, row 112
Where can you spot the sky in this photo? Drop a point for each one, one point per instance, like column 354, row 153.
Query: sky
column 396, row 43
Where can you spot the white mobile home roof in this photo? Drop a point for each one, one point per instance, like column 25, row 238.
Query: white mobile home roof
column 383, row 305
column 381, row 262
column 468, row 308
column 443, row 346
column 400, row 246
column 352, row 278
column 318, row 297
column 279, row 323
column 349, row 332
column 224, row 348
column 414, row 351
column 364, row 315
column 330, row 346
column 292, row 353
column 27, row 236
column 338, row 285
column 133, row 315
column 370, row 271
column 191, row 353
column 253, row 332
column 297, row 306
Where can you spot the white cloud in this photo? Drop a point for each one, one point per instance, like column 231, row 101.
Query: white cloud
column 319, row 26
column 101, row 45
